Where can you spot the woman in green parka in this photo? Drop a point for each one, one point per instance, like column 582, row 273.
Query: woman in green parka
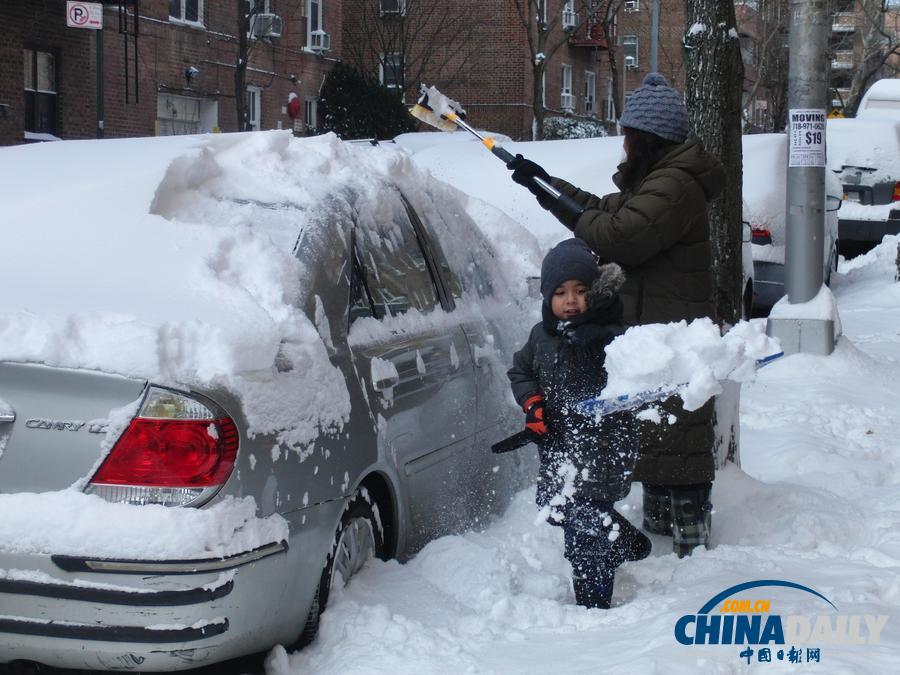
column 656, row 227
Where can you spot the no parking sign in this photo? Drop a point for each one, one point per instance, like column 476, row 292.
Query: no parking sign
column 84, row 15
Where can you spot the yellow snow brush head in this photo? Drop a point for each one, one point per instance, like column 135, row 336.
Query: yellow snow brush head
column 437, row 110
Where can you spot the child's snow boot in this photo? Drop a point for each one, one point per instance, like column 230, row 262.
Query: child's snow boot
column 657, row 509
column 692, row 518
column 591, row 593
column 631, row 544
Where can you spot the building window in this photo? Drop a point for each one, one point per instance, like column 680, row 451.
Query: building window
column 311, row 114
column 387, row 7
column 189, row 11
column 630, row 50
column 40, row 92
column 390, row 72
column 566, row 99
column 179, row 115
column 590, row 91
column 632, row 5
column 315, row 25
column 254, row 106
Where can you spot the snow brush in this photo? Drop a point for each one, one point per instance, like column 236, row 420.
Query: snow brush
column 440, row 112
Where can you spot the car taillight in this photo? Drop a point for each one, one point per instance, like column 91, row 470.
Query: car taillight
column 762, row 235
column 896, row 196
column 177, row 451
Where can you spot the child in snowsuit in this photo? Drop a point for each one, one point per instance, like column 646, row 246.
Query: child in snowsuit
column 586, row 464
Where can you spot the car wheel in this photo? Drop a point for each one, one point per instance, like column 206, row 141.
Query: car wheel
column 359, row 537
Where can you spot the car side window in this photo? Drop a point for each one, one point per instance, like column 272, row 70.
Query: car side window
column 396, row 270
column 451, row 284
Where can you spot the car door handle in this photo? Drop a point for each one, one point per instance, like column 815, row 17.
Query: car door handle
column 7, row 417
column 386, row 383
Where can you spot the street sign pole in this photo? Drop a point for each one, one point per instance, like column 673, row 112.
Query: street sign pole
column 654, row 36
column 99, row 83
column 810, row 328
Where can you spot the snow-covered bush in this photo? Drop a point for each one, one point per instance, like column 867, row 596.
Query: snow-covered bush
column 556, row 128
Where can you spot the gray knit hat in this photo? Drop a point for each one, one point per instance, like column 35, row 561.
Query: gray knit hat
column 658, row 109
column 569, row 259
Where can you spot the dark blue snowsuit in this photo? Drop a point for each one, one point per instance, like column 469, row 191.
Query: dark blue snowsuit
column 586, row 463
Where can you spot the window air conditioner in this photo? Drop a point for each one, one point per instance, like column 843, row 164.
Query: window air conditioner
column 569, row 19
column 630, row 62
column 631, row 5
column 319, row 41
column 391, row 7
column 265, row 25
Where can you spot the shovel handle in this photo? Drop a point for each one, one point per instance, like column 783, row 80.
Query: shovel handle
column 514, row 442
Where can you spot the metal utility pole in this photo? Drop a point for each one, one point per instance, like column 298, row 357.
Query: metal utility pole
column 803, row 330
column 654, row 36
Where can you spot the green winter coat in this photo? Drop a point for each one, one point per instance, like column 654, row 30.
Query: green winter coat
column 659, row 234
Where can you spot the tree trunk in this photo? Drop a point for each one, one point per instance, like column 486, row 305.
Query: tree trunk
column 714, row 79
column 537, row 105
column 240, row 66
column 715, row 74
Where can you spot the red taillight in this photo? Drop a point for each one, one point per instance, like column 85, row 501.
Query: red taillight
column 171, row 453
column 762, row 235
column 896, row 196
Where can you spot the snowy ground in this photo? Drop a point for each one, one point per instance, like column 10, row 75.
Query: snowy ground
column 816, row 502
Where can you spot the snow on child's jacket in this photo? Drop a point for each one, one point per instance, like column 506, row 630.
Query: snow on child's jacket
column 582, row 456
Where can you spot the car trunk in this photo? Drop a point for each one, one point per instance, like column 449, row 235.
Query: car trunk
column 54, row 422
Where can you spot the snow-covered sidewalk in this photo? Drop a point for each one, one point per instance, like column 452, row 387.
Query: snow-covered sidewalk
column 817, row 502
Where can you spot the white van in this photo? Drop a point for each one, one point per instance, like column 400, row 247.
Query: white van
column 882, row 100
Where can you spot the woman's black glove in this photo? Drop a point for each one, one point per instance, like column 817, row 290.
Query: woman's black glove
column 524, row 173
column 566, row 209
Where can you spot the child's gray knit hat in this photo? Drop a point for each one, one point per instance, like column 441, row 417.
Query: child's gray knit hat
column 569, row 259
column 657, row 108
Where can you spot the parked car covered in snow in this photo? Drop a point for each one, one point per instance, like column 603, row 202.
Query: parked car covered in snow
column 235, row 367
column 765, row 181
column 864, row 153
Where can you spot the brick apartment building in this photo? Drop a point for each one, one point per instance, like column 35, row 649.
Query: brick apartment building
column 177, row 75
column 496, row 81
column 179, row 78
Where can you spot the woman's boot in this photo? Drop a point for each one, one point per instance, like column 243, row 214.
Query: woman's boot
column 657, row 509
column 691, row 517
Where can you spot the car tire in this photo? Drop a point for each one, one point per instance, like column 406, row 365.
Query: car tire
column 358, row 538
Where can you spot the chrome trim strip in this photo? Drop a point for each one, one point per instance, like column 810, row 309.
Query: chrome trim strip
column 7, row 418
column 79, row 564
column 79, row 631
column 104, row 596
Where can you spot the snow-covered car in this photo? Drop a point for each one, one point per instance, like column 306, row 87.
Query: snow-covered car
column 765, row 181
column 864, row 153
column 234, row 367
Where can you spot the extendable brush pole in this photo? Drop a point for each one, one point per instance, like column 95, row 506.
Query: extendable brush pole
column 445, row 114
